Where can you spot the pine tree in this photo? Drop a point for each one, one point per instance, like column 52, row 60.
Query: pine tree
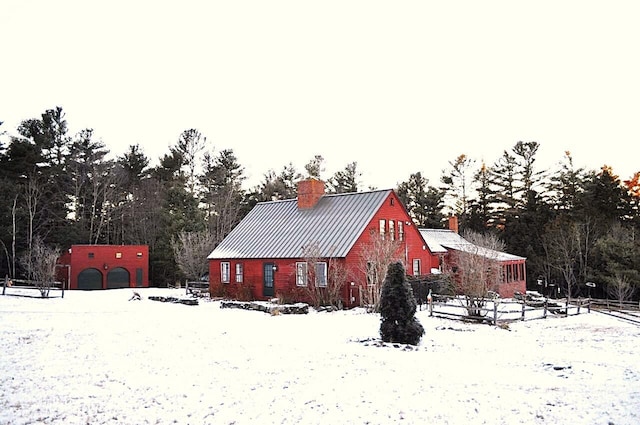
column 398, row 309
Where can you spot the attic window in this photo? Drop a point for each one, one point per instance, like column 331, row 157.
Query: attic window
column 91, row 255
column 392, row 202
column 139, row 255
column 118, row 255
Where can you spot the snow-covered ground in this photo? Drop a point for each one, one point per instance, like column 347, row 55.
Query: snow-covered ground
column 98, row 358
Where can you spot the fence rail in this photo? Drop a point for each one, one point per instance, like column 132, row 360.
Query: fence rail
column 503, row 311
column 12, row 284
column 615, row 304
column 197, row 288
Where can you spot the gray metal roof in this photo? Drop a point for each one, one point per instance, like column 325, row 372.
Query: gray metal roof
column 440, row 240
column 278, row 229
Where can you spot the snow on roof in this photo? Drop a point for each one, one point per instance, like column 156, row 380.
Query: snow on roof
column 442, row 240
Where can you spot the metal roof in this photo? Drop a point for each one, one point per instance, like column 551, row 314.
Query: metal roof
column 440, row 240
column 278, row 229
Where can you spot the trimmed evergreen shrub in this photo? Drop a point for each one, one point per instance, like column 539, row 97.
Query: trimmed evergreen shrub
column 398, row 309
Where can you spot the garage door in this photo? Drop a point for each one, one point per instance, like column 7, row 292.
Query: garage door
column 90, row 279
column 118, row 278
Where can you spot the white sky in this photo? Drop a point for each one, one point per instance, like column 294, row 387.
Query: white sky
column 399, row 87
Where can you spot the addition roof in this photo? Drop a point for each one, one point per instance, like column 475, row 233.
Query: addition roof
column 279, row 229
column 441, row 240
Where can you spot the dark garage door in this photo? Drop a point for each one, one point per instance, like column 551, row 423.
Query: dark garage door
column 118, row 278
column 90, row 279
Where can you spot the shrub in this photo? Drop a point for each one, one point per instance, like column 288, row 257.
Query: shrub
column 398, row 308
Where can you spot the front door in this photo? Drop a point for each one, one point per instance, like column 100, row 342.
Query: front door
column 267, row 279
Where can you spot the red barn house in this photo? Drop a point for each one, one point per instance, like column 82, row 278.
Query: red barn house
column 267, row 253
column 105, row 266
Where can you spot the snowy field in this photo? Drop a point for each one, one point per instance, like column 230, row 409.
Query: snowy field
column 97, row 358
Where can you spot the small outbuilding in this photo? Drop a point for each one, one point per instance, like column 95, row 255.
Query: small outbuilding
column 92, row 267
column 444, row 243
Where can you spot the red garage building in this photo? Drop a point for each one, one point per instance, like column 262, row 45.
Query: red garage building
column 105, row 266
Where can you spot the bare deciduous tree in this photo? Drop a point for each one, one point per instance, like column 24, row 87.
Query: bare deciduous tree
column 561, row 241
column 324, row 290
column 42, row 262
column 373, row 263
column 477, row 270
column 620, row 287
column 191, row 250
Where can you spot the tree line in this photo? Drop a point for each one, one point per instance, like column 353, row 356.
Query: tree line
column 573, row 225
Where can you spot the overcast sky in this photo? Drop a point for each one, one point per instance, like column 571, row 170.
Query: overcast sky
column 398, row 87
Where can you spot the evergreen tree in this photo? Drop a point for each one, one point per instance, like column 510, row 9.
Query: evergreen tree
column 398, row 308
column 345, row 181
column 564, row 187
column 480, row 208
column 222, row 193
column 424, row 203
column 605, row 199
column 457, row 183
column 277, row 186
column 315, row 167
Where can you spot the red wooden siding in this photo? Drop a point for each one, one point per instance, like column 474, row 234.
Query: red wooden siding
column 100, row 260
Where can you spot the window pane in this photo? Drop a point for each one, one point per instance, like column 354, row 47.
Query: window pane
column 416, row 267
column 239, row 272
column 392, row 230
column 225, row 269
column 321, row 274
column 301, row 274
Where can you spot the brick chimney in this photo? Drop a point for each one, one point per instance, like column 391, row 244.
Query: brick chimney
column 453, row 223
column 309, row 192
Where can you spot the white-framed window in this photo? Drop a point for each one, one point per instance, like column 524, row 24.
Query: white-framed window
column 383, row 227
column 225, row 271
column 239, row 273
column 301, row 274
column 416, row 267
column 321, row 274
column 400, row 230
column 392, row 230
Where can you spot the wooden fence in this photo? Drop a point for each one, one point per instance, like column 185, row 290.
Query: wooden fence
column 501, row 311
column 197, row 288
column 15, row 287
column 615, row 305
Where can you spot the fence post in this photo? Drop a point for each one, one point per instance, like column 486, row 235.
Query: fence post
column 566, row 310
column 546, row 301
column 524, row 305
column 4, row 284
column 495, row 313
